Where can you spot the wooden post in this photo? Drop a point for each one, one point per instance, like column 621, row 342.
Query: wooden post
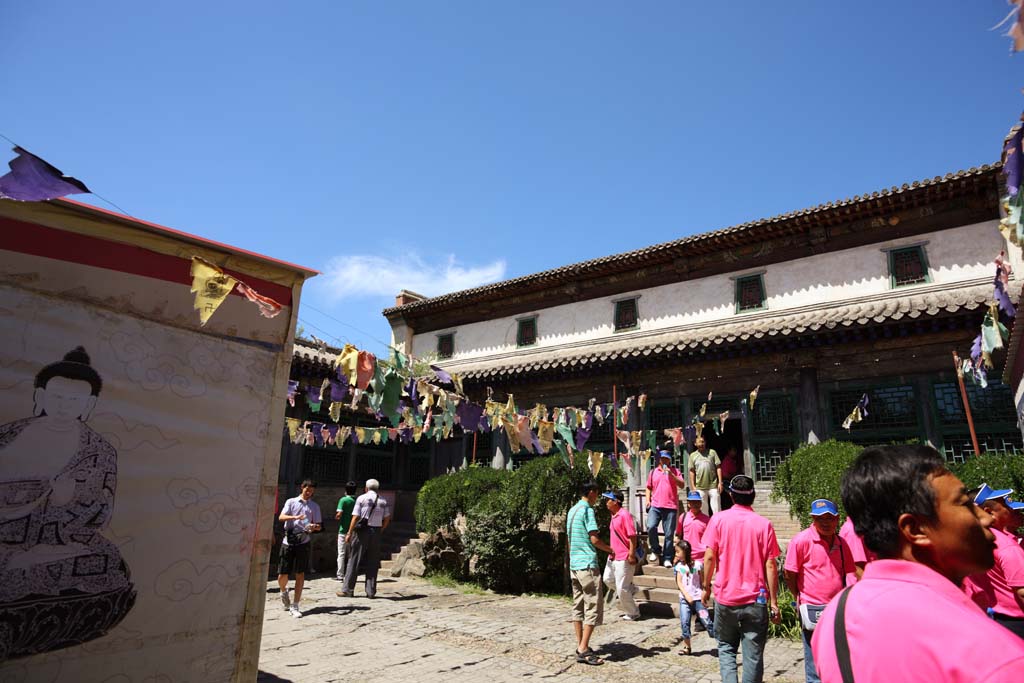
column 967, row 405
column 474, row 447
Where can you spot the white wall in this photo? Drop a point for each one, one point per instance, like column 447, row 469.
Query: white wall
column 956, row 255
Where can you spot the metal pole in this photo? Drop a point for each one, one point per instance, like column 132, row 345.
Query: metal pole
column 967, row 405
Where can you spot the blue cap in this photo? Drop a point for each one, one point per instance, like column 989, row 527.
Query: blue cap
column 664, row 454
column 693, row 495
column 823, row 506
column 987, row 493
column 613, row 495
column 1015, row 504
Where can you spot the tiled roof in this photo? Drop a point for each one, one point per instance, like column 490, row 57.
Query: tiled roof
column 845, row 209
column 308, row 351
column 925, row 301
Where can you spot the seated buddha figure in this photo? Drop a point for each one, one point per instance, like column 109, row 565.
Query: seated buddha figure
column 62, row 582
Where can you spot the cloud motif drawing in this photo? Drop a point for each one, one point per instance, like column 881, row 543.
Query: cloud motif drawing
column 252, row 428
column 127, row 436
column 204, row 511
column 183, row 579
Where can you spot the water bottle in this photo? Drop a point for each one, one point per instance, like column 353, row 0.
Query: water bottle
column 762, row 597
column 991, row 613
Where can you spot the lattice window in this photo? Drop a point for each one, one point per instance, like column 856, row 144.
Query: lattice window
column 908, row 266
column 445, row 345
column 663, row 416
column 626, row 317
column 993, row 404
column 767, row 459
column 749, row 293
column 371, row 465
column 526, row 335
column 419, row 469
column 958, row 447
column 601, row 433
column 888, row 408
column 325, row 466
column 773, row 416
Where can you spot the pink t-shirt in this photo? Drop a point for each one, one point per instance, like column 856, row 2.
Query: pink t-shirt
column 743, row 541
column 995, row 587
column 906, row 622
column 818, row 565
column 857, row 548
column 664, row 489
column 690, row 528
column 622, row 529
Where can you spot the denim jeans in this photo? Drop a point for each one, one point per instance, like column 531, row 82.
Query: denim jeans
column 810, row 671
column 746, row 624
column 685, row 613
column 667, row 518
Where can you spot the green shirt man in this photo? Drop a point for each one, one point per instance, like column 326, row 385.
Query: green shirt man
column 344, row 514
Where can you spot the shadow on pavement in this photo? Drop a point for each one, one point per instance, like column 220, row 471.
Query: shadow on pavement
column 334, row 609
column 264, row 677
column 620, row 652
column 399, row 597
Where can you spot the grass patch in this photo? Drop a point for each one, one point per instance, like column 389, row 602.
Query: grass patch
column 442, row 580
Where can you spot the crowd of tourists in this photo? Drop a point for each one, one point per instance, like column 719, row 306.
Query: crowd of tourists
column 923, row 582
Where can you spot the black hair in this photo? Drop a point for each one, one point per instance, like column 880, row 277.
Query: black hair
column 885, row 482
column 587, row 487
column 308, row 482
column 687, row 551
column 742, row 481
column 350, row 488
column 74, row 366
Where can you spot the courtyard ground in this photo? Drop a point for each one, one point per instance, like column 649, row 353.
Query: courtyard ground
column 416, row 631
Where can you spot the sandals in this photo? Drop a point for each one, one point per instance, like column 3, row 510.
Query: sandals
column 588, row 657
column 686, row 650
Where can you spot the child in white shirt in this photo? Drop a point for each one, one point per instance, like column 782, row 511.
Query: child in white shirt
column 689, row 576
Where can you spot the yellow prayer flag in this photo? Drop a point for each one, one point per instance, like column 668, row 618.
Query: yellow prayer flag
column 595, row 462
column 293, row 428
column 211, row 286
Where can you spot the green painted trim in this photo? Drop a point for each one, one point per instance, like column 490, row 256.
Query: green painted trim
column 921, row 254
column 739, row 286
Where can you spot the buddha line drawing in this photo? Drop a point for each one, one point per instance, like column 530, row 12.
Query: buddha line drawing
column 62, row 583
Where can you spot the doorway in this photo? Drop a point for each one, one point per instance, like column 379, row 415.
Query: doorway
column 731, row 438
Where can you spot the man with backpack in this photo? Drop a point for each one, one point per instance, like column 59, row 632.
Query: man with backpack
column 621, row 565
column 370, row 518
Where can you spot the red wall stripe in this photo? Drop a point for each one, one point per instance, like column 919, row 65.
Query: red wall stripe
column 63, row 245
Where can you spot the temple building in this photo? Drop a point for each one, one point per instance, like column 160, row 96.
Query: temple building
column 817, row 307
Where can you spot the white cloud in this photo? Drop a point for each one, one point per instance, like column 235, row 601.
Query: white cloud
column 365, row 275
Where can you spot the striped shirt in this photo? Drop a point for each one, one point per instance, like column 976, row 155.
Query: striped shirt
column 579, row 523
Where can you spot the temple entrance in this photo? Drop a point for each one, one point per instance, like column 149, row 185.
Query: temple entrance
column 731, row 438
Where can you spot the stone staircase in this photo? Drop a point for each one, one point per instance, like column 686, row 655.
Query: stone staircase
column 395, row 539
column 777, row 513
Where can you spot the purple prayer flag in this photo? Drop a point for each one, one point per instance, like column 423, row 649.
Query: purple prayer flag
column 338, row 390
column 863, row 405
column 414, row 396
column 536, row 443
column 582, row 434
column 313, row 394
column 405, row 435
column 976, row 348
column 318, row 437
column 469, row 415
column 1013, row 160
column 333, row 430
column 293, row 386
column 33, row 180
column 1002, row 298
column 441, row 374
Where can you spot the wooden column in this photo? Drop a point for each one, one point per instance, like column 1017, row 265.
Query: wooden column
column 809, row 407
column 923, row 389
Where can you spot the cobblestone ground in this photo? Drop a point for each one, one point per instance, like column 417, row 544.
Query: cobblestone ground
column 415, row 631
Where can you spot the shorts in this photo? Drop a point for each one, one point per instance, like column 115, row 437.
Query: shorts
column 587, row 605
column 294, row 558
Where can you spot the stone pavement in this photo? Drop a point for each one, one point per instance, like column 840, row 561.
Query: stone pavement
column 416, row 631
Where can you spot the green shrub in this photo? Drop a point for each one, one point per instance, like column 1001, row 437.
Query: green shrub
column 995, row 469
column 545, row 486
column 813, row 471
column 444, row 498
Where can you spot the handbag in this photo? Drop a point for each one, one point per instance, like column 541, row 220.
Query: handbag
column 364, row 522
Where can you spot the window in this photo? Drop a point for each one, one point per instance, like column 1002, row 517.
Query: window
column 908, row 267
column 625, row 315
column 446, row 345
column 749, row 293
column 527, row 333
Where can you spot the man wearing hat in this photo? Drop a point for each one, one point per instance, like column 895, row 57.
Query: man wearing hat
column 817, row 562
column 345, row 505
column 907, row 620
column 742, row 546
column 692, row 525
column 621, row 565
column 1001, row 588
column 1017, row 507
column 706, row 476
column 663, row 484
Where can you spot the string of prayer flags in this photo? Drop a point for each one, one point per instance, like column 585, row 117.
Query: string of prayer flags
column 1012, row 222
column 211, row 287
column 1016, row 30
column 1002, row 280
column 993, row 334
column 595, row 460
column 32, row 179
column 859, row 412
column 293, row 386
column 267, row 306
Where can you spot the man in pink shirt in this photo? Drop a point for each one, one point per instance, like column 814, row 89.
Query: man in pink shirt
column 817, row 562
column 1001, row 588
column 663, row 505
column 692, row 525
column 741, row 545
column 907, row 620
column 621, row 565
column 861, row 555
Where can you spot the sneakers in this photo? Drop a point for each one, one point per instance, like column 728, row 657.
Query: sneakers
column 653, row 558
column 286, row 600
column 343, row 594
column 630, row 617
column 667, row 563
column 296, row 612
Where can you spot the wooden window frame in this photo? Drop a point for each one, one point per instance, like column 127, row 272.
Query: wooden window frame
column 922, row 255
column 634, row 300
column 520, row 322
column 738, row 286
column 440, row 353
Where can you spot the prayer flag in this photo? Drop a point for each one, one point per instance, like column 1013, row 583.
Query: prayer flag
column 31, row 179
column 211, row 286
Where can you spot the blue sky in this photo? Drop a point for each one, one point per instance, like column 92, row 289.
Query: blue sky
column 441, row 145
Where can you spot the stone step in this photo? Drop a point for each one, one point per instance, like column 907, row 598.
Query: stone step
column 654, row 581
column 665, row 596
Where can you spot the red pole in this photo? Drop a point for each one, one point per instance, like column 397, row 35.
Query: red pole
column 967, row 405
column 615, row 422
column 474, row 447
